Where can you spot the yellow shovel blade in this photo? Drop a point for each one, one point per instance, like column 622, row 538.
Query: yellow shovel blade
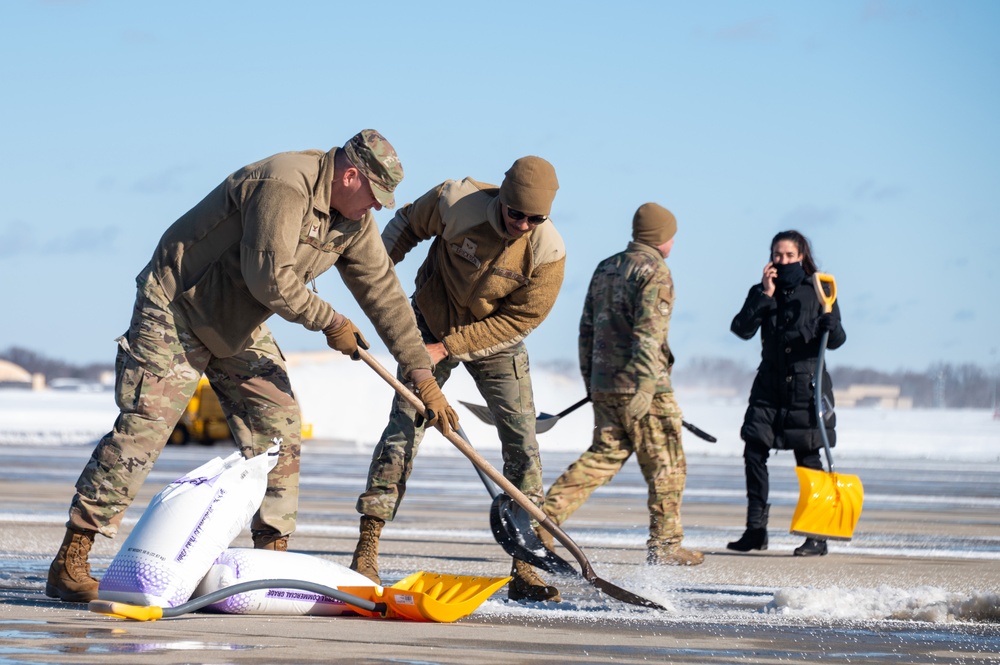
column 829, row 504
column 431, row 596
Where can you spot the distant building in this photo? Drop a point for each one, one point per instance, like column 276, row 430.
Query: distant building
column 18, row 378
column 882, row 396
column 14, row 376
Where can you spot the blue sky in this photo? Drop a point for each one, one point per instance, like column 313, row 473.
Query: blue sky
column 870, row 126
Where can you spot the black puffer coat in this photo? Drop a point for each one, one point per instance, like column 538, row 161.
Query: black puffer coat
column 782, row 413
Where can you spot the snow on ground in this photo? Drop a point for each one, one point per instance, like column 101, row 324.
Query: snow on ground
column 920, row 604
column 345, row 400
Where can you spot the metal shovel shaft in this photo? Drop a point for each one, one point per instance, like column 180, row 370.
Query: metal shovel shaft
column 546, row 421
column 508, row 487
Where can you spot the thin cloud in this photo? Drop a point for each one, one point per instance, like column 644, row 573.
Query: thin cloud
column 83, row 241
column 139, row 37
column 87, row 241
column 163, row 182
column 883, row 10
column 869, row 190
column 15, row 240
column 753, row 30
column 964, row 315
column 811, row 216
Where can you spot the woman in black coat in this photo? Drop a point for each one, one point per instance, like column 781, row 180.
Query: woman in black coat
column 782, row 413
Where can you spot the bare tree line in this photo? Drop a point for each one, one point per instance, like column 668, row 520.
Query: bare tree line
column 940, row 385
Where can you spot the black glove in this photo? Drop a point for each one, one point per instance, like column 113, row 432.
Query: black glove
column 826, row 323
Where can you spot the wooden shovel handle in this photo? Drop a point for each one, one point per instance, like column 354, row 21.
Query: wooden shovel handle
column 471, row 453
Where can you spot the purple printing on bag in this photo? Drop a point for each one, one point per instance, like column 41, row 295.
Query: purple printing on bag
column 182, row 554
column 201, row 480
column 136, row 576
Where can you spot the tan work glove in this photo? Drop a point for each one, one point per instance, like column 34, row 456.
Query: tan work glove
column 638, row 408
column 345, row 337
column 439, row 412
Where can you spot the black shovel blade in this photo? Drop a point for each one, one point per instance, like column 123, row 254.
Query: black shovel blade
column 480, row 411
column 544, row 422
column 511, row 527
column 623, row 595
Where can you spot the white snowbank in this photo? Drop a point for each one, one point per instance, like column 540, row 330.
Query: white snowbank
column 345, row 400
column 918, row 604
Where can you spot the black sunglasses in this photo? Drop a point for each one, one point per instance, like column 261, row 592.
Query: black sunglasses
column 517, row 216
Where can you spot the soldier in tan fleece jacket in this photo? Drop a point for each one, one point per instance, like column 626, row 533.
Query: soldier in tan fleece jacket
column 250, row 249
column 491, row 276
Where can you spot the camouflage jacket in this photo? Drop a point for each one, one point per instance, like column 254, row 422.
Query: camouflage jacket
column 249, row 249
column 479, row 290
column 623, row 330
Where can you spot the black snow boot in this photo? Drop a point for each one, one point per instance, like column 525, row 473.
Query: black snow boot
column 812, row 547
column 755, row 536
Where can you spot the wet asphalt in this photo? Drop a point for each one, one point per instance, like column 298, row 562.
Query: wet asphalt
column 925, row 525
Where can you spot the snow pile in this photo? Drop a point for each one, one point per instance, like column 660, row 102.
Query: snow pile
column 345, row 400
column 55, row 417
column 925, row 603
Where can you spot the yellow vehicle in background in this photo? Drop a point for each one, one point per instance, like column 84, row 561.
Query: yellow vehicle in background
column 203, row 421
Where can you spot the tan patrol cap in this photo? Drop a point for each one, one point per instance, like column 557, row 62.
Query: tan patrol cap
column 377, row 160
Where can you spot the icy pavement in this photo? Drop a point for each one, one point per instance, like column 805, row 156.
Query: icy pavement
column 922, row 569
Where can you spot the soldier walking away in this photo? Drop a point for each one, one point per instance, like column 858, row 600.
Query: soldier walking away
column 781, row 414
column 245, row 252
column 626, row 361
column 491, row 276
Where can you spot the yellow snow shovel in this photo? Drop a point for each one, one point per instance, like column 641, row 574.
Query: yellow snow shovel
column 419, row 597
column 829, row 503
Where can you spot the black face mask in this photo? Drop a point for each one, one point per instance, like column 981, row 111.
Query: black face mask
column 789, row 275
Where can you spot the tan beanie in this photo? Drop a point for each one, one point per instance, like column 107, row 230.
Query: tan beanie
column 653, row 224
column 530, row 186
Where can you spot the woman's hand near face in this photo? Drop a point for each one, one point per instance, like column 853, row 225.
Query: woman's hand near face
column 770, row 274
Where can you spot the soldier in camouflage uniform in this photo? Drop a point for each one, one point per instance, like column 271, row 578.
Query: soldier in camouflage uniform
column 626, row 361
column 245, row 252
column 491, row 276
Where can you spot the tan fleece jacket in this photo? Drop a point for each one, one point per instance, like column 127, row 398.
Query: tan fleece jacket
column 249, row 249
column 479, row 289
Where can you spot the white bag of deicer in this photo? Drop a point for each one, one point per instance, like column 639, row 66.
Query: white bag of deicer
column 237, row 565
column 185, row 528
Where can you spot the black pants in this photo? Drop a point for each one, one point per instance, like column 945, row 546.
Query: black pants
column 755, row 456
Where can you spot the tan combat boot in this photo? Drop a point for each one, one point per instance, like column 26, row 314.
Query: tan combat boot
column 365, row 559
column 527, row 585
column 69, row 574
column 673, row 555
column 268, row 540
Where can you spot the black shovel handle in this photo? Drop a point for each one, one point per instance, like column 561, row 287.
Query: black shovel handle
column 700, row 433
column 571, row 409
column 546, row 421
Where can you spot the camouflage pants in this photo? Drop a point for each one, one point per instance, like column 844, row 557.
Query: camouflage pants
column 504, row 381
column 158, row 367
column 656, row 441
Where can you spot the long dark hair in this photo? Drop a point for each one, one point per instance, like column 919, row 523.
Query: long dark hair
column 808, row 264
